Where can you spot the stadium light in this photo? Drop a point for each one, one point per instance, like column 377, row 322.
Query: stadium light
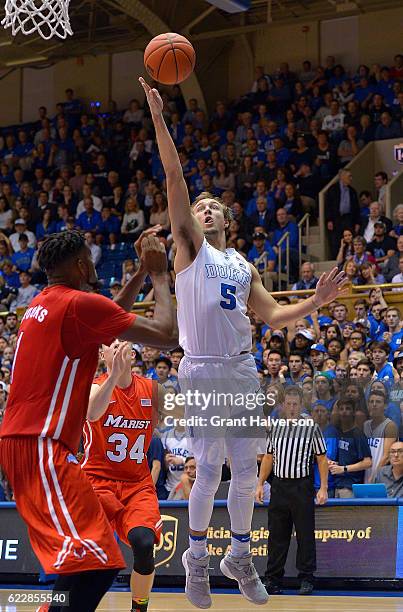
column 231, row 6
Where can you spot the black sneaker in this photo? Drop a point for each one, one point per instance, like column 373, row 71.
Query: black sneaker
column 306, row 588
column 272, row 587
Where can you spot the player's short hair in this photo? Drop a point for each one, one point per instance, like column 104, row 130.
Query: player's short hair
column 56, row 249
column 206, row 195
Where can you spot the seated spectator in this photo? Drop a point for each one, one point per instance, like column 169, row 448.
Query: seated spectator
column 26, row 292
column 292, row 203
column 96, row 252
column 382, row 246
column 308, row 280
column 263, row 217
column 260, row 246
column 392, row 475
column 380, row 355
column 133, row 220
column 381, row 432
column 368, row 275
column 361, row 255
column 350, row 146
column 353, row 456
column 22, row 259
column 398, row 278
column 183, row 489
column 6, row 215
column 46, row 226
column 397, row 229
column 367, row 228
column 159, row 213
column 351, row 271
column 11, row 277
column 333, row 122
column 90, row 219
column 156, row 463
column 7, row 295
column 21, row 228
column 346, row 248
column 388, row 128
column 87, row 193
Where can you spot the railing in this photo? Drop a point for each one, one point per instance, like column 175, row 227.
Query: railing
column 266, row 280
column 284, row 276
column 304, row 222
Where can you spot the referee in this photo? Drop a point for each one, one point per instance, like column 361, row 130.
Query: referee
column 293, row 441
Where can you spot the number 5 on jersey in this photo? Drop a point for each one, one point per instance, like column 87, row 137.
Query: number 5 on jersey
column 121, row 442
column 228, row 293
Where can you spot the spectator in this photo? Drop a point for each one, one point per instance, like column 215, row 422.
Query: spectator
column 46, row 226
column 26, row 292
column 96, row 252
column 22, row 259
column 175, row 443
column 367, row 229
column 342, row 210
column 398, row 278
column 90, row 219
column 354, row 454
column 183, row 489
column 133, row 220
column 11, row 277
column 308, row 279
column 381, row 433
column 382, row 246
column 392, row 475
column 159, row 213
column 350, row 146
column 87, row 193
column 387, row 127
column 156, row 463
column 383, row 369
column 21, row 228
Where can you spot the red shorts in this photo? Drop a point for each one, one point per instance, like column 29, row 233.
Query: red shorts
column 67, row 526
column 128, row 504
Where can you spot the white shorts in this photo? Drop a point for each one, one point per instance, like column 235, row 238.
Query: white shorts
column 223, row 396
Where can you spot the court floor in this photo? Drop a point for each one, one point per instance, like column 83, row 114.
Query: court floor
column 174, row 602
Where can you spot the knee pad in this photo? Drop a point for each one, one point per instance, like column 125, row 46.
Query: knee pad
column 208, row 478
column 142, row 541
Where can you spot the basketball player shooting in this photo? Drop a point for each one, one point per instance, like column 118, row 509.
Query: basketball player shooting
column 214, row 331
column 55, row 362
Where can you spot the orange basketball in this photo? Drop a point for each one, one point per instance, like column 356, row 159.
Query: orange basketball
column 169, row 58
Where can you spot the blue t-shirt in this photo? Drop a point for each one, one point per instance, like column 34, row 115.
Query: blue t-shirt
column 385, row 374
column 23, row 260
column 253, row 254
column 156, row 452
column 395, row 343
column 330, row 435
column 352, row 447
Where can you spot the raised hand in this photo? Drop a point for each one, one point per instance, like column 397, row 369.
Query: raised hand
column 153, row 98
column 151, row 231
column 329, row 286
column 153, row 256
column 120, row 359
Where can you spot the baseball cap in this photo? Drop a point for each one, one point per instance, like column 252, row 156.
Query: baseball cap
column 115, row 284
column 364, row 323
column 380, row 223
column 278, row 333
column 398, row 356
column 318, row 347
column 259, row 236
column 325, row 374
column 306, row 333
column 19, row 222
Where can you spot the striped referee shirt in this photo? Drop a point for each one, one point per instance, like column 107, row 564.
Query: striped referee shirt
column 293, row 443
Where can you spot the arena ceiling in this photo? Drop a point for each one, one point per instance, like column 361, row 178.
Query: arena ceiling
column 106, row 26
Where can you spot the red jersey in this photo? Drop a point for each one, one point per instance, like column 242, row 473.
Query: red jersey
column 116, row 445
column 55, row 360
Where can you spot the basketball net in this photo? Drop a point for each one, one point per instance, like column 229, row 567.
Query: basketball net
column 47, row 17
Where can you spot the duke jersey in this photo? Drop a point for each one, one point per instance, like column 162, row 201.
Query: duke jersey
column 212, row 295
column 116, row 445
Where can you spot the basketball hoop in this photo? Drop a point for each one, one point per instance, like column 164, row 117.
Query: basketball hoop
column 47, row 17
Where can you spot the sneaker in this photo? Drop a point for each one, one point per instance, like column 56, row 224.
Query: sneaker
column 272, row 587
column 306, row 588
column 243, row 571
column 197, row 587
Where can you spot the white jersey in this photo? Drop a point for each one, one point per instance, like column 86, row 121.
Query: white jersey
column 177, row 444
column 212, row 295
column 376, row 441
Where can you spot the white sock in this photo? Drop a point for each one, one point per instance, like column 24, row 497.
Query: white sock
column 240, row 545
column 198, row 546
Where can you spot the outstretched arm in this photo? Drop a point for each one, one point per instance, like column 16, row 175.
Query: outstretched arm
column 277, row 316
column 185, row 229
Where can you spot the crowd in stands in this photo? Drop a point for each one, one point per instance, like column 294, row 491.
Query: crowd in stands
column 267, row 155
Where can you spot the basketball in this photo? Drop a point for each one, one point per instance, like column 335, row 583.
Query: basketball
column 169, row 58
